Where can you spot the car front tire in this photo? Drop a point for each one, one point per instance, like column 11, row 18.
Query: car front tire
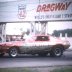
column 56, row 52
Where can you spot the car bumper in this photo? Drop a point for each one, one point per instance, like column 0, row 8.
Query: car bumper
column 66, row 46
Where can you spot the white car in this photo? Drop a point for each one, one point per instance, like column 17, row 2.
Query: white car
column 38, row 44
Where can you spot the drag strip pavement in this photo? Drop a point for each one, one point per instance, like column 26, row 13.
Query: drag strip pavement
column 36, row 61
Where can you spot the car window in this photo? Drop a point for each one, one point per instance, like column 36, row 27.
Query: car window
column 42, row 38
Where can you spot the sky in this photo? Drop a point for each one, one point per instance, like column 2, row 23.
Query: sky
column 16, row 28
column 59, row 26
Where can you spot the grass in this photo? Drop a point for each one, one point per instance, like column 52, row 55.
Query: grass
column 63, row 70
column 16, row 70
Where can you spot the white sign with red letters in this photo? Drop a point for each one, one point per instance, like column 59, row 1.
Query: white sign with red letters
column 36, row 10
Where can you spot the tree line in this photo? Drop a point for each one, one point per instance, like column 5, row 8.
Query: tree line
column 57, row 32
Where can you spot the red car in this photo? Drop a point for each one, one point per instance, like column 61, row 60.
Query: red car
column 38, row 44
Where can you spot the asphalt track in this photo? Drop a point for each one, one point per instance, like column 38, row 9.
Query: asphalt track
column 36, row 61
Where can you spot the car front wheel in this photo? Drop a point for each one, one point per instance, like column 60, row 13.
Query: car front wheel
column 13, row 52
column 56, row 52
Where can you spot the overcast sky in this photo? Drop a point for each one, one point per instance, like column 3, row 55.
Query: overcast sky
column 59, row 26
column 15, row 27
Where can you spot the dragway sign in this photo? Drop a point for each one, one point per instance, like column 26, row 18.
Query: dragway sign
column 36, row 10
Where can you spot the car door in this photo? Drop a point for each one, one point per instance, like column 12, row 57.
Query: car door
column 41, row 43
column 28, row 45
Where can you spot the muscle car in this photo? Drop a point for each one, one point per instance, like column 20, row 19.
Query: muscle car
column 36, row 44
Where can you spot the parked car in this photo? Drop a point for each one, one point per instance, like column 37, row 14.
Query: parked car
column 37, row 44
